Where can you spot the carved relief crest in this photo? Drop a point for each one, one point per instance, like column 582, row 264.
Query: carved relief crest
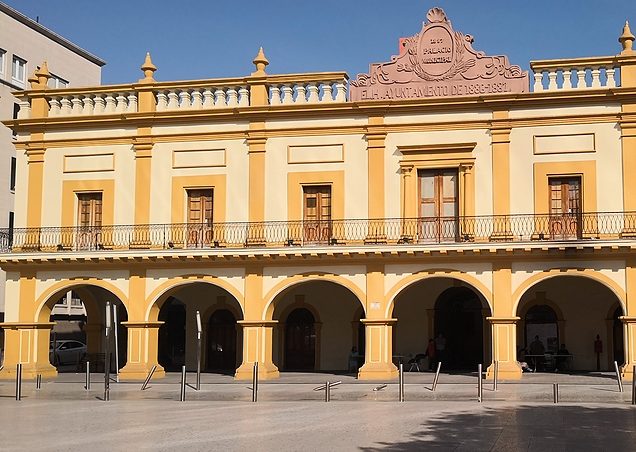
column 439, row 61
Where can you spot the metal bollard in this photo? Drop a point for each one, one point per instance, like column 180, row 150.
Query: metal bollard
column 555, row 392
column 619, row 380
column 495, row 375
column 634, row 385
column 38, row 381
column 87, row 379
column 150, row 374
column 328, row 391
column 401, row 383
column 255, row 382
column 480, row 387
column 439, row 366
column 18, row 382
column 182, row 397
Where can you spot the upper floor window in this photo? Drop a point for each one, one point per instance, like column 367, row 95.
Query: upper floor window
column 200, row 202
column 57, row 82
column 18, row 71
column 439, row 204
column 2, row 58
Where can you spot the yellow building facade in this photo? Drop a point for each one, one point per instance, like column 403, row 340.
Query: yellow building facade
column 322, row 223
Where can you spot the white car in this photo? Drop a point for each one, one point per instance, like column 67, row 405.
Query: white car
column 67, row 352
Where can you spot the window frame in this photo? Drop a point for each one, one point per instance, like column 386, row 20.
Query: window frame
column 14, row 80
column 57, row 80
column 3, row 54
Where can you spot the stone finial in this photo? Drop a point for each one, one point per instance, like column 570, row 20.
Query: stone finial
column 148, row 69
column 43, row 75
column 260, row 62
column 627, row 39
column 33, row 81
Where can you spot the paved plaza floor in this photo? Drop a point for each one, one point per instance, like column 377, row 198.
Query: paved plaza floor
column 290, row 415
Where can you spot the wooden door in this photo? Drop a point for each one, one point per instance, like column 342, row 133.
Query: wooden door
column 300, row 340
column 565, row 208
column 199, row 217
column 439, row 207
column 89, row 219
column 317, row 213
column 222, row 341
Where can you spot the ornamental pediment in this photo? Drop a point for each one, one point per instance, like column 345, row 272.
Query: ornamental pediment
column 439, row 62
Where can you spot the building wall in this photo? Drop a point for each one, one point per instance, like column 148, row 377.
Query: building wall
column 30, row 44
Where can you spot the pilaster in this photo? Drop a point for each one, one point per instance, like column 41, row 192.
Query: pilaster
column 504, row 348
column 27, row 343
column 142, row 147
column 142, row 351
column 376, row 136
column 257, row 347
column 500, row 133
column 378, row 362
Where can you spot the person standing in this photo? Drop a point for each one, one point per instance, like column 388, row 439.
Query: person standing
column 598, row 349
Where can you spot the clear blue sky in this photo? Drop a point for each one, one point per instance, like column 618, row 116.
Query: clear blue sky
column 218, row 38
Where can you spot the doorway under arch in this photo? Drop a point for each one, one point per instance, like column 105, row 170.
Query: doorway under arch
column 221, row 341
column 459, row 321
column 300, row 340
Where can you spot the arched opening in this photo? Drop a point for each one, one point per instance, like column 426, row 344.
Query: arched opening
column 318, row 327
column 300, row 340
column 561, row 317
column 79, row 335
column 222, row 341
column 220, row 338
column 442, row 319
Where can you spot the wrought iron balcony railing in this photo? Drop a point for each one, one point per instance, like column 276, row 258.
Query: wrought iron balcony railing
column 387, row 231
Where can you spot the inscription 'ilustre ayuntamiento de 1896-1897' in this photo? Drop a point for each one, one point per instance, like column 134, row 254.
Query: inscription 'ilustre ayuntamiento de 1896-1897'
column 438, row 62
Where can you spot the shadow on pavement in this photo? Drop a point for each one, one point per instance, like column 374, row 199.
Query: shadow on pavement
column 534, row 428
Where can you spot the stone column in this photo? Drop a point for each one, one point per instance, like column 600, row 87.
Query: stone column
column 504, row 348
column 378, row 353
column 27, row 344
column 257, row 347
column 142, row 351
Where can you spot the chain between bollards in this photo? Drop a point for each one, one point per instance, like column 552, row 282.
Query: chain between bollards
column 555, row 392
column 439, row 366
column 619, row 380
column 255, row 382
column 18, row 382
column 480, row 387
column 182, row 397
